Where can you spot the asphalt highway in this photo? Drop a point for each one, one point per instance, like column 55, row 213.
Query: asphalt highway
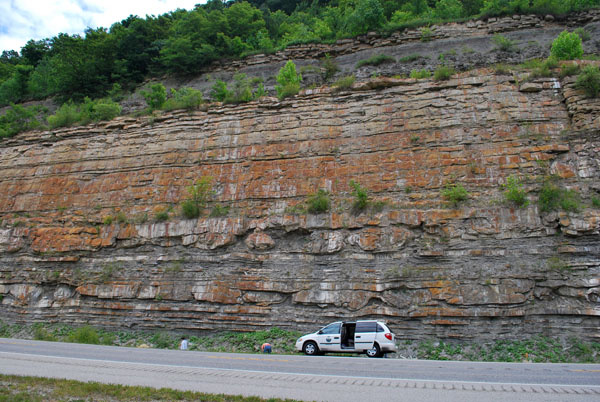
column 324, row 378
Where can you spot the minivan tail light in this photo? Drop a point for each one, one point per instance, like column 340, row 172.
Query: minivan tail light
column 389, row 336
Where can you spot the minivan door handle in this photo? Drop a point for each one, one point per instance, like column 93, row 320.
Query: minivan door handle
column 358, row 336
column 336, row 337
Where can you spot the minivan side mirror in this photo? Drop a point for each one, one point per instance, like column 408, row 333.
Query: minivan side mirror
column 320, row 332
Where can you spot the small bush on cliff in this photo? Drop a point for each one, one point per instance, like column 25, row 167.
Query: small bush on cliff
column 185, row 98
column 329, row 66
column 288, row 81
column 583, row 34
column 18, row 119
column 361, row 196
column 567, row 46
column 66, row 115
column 504, row 44
column 200, row 193
column 443, row 73
column 156, row 96
column 514, row 193
column 553, row 197
column 419, row 74
column 455, row 194
column 376, row 60
column 589, row 81
column 319, row 202
column 344, row 82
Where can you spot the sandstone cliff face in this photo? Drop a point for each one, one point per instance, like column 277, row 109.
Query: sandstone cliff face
column 483, row 269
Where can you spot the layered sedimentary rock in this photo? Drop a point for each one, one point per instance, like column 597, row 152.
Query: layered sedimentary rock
column 482, row 269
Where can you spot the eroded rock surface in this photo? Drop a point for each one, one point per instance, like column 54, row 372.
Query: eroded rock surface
column 482, row 269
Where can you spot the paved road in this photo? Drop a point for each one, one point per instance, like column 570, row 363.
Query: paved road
column 303, row 377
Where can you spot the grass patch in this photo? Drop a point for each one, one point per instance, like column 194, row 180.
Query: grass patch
column 455, row 194
column 318, row 202
column 44, row 389
column 553, row 197
column 410, row 58
column 589, row 81
column 514, row 193
column 376, row 60
column 443, row 73
column 420, row 74
column 504, row 44
column 344, row 82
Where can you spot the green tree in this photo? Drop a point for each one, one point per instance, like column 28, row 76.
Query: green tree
column 367, row 15
column 448, row 9
column 156, row 96
column 14, row 89
column 567, row 46
column 288, row 81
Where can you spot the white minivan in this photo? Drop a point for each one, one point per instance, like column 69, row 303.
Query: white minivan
column 371, row 337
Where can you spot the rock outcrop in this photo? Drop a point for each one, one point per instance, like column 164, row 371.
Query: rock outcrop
column 79, row 242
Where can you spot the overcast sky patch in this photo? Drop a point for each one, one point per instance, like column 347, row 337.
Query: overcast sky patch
column 22, row 20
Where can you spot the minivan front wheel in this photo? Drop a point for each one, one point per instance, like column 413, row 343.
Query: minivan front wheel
column 374, row 351
column 310, row 348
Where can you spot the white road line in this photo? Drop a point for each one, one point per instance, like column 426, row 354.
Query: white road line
column 421, row 381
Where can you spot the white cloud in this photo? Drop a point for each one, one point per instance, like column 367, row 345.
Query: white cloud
column 21, row 20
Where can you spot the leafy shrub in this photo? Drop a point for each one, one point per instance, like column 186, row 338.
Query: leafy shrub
column 121, row 217
column 288, row 81
column 376, row 60
column 219, row 91
column 589, row 81
column 189, row 209
column 18, row 119
column 583, row 34
column 455, row 194
column 426, row 34
column 200, row 193
column 219, row 210
column 418, row 74
column 552, row 198
column 330, row 67
column 344, row 82
column 241, row 91
column 514, row 193
column 161, row 215
column 544, row 69
column 185, row 98
column 85, row 334
column 410, row 58
column 98, row 110
column 443, row 73
column 501, row 69
column 318, row 202
column 567, row 46
column 568, row 70
column 66, row 115
column 163, row 340
column 504, row 44
column 361, row 196
column 156, row 96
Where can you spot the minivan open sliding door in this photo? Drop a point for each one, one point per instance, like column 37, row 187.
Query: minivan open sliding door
column 365, row 334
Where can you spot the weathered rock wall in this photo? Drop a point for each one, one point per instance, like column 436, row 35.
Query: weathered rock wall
column 483, row 269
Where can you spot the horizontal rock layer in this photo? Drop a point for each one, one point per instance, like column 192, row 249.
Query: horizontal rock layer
column 482, row 269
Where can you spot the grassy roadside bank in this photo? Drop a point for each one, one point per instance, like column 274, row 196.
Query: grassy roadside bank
column 37, row 389
column 539, row 349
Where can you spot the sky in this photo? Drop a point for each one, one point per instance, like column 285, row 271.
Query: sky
column 22, row 20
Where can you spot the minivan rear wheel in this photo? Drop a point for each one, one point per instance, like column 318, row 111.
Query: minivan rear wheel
column 374, row 351
column 310, row 348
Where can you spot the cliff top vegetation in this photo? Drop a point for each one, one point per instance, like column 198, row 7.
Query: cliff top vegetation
column 106, row 60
